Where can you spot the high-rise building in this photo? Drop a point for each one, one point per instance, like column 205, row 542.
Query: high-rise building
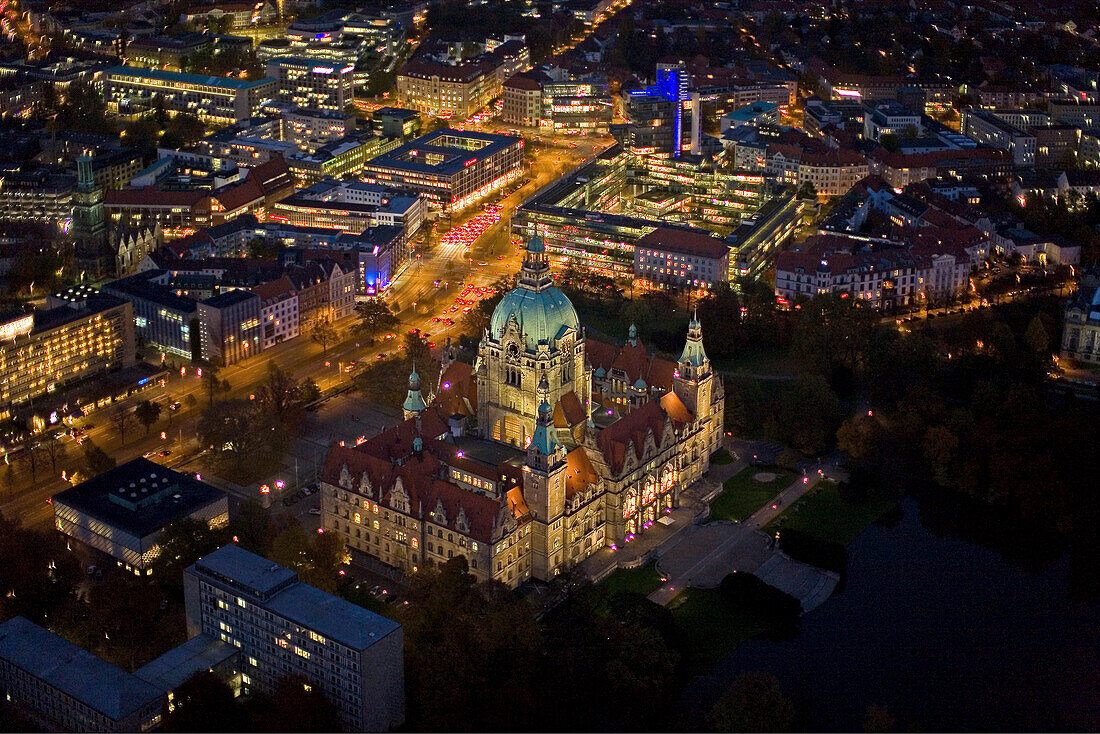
column 285, row 627
column 321, row 84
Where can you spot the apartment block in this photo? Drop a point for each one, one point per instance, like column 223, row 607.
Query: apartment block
column 285, row 627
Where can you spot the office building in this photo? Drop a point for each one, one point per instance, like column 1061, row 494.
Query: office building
column 681, row 258
column 664, row 120
column 37, row 196
column 988, row 129
column 44, row 351
column 229, row 327
column 321, row 84
column 309, row 129
column 62, row 687
column 122, row 512
column 395, row 122
column 278, row 310
column 337, row 158
column 213, row 99
column 161, row 318
column 284, row 627
column 165, row 53
column 451, row 168
column 887, row 117
column 352, row 206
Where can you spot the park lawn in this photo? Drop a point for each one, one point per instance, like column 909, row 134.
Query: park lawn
column 711, row 628
column 721, row 457
column 642, row 580
column 827, row 516
column 742, row 495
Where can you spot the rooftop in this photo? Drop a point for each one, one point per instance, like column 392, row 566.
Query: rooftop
column 74, row 671
column 173, row 668
column 185, row 78
column 446, row 151
column 282, row 593
column 139, row 497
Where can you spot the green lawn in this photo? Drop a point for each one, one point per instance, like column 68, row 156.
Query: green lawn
column 642, row 580
column 742, row 495
column 711, row 627
column 720, row 457
column 827, row 516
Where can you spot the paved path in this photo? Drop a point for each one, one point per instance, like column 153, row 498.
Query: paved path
column 703, row 555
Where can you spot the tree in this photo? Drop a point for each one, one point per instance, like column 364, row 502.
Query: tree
column 252, row 528
column 243, row 437
column 190, row 401
column 754, row 702
column 280, row 395
column 54, row 450
column 309, row 391
column 640, row 315
column 316, row 557
column 417, row 349
column 1037, row 339
column 375, row 317
column 323, row 333
column 120, row 417
column 147, row 413
column 182, row 542
column 212, row 383
column 204, row 703
column 97, row 460
column 296, row 705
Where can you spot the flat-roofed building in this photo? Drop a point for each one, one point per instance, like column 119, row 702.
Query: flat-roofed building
column 310, row 129
column 986, row 128
column 322, row 84
column 169, row 54
column 284, row 627
column 43, row 351
column 213, row 99
column 681, row 258
column 122, row 512
column 62, row 687
column 451, row 168
column 352, row 206
column 229, row 327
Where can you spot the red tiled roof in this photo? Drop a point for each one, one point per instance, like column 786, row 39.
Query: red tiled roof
column 461, row 397
column 273, row 289
column 630, row 431
column 151, row 196
column 579, row 472
column 684, row 242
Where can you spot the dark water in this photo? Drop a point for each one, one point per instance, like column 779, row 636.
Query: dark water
column 945, row 633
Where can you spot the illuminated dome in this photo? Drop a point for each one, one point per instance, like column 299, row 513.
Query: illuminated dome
column 542, row 312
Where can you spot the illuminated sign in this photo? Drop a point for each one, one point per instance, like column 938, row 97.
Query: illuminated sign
column 322, row 70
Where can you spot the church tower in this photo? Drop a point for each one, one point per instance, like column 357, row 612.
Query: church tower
column 90, row 222
column 534, row 334
column 544, row 490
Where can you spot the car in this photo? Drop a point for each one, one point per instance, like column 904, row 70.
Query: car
column 164, row 452
column 431, row 345
column 288, row 501
column 380, row 356
column 425, row 335
column 314, row 511
column 414, row 330
column 60, row 435
column 174, row 406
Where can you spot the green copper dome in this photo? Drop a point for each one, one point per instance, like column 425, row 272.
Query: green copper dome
column 541, row 310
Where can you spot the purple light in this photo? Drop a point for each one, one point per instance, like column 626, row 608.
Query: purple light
column 446, row 386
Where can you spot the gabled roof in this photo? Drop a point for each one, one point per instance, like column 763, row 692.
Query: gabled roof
column 579, row 472
column 458, row 390
column 630, row 432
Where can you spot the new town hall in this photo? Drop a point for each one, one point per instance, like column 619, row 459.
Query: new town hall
column 548, row 449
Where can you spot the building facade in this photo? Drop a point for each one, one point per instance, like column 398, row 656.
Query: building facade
column 283, row 627
column 320, row 84
column 218, row 100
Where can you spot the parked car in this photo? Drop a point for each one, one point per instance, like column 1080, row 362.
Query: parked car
column 314, row 511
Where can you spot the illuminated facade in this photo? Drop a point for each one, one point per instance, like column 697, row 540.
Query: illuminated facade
column 285, row 627
column 122, row 512
column 550, row 448
column 44, row 351
column 451, row 168
column 213, row 99
column 450, row 90
column 322, row 84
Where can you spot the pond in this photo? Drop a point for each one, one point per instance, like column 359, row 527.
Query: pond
column 945, row 633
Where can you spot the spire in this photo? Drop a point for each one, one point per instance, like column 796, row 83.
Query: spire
column 694, row 354
column 414, row 402
column 543, row 440
column 632, row 335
